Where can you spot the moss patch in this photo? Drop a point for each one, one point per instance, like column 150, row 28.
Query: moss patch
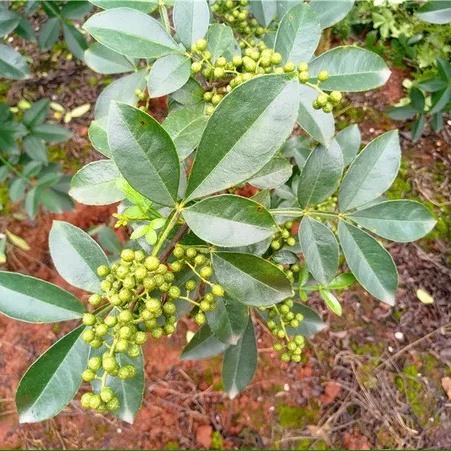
column 298, row 416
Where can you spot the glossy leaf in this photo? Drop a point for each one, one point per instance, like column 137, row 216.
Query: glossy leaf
column 131, row 33
column 103, row 60
column 320, row 249
column 228, row 322
column 99, row 138
column 121, row 90
column 76, row 256
column 371, row 173
column 435, row 11
column 250, row 279
column 349, row 140
column 351, row 69
column 191, row 20
column 257, row 125
column 341, row 281
column 95, row 184
column 396, row 220
column 331, row 11
column 298, row 34
column 240, row 362
column 264, row 11
column 53, row 380
column 26, row 298
column 203, row 345
column 320, row 175
column 12, row 64
column 371, row 264
column 144, row 153
column 229, row 221
column 273, row 174
column 130, row 392
column 185, row 127
column 168, row 74
column 319, row 125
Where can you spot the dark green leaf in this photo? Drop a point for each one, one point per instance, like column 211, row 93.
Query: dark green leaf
column 203, row 345
column 48, row 34
column 418, row 127
column 320, row 249
column 440, row 100
column 53, row 380
column 168, row 74
column 320, row 175
column 240, row 362
column 351, row 69
column 75, row 41
column 310, row 325
column 99, row 138
column 250, row 279
column 36, row 301
column 191, row 20
column 371, row 264
column 185, row 127
column 273, row 174
column 146, row 6
column 51, row 133
column 264, row 11
column 17, row 189
column 189, row 96
column 8, row 21
column 76, row 256
column 220, row 40
column 95, row 184
column 298, row 34
column 331, row 11
column 349, row 140
column 35, row 148
column 228, row 322
column 76, row 10
column 230, row 221
column 319, row 125
column 257, row 127
column 144, row 153
column 25, row 30
column 402, row 113
column 12, row 64
column 371, row 173
column 37, row 114
column 103, row 60
column 131, row 33
column 396, row 220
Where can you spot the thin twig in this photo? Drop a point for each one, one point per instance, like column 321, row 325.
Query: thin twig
column 167, row 252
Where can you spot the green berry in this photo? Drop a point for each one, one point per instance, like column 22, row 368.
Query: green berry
column 204, row 306
column 296, row 358
column 291, row 346
column 174, row 292
column 291, row 241
column 140, row 273
column 335, row 97
column 134, row 351
column 129, row 282
column 153, row 305
column 88, row 335
column 196, row 67
column 178, row 251
column 140, row 337
column 125, row 332
column 95, row 401
column 122, row 271
column 285, row 357
column 105, row 286
column 249, row 64
column 94, row 363
column 206, row 272
column 101, row 330
column 115, row 300
column 125, row 295
column 164, row 287
column 121, row 345
column 89, row 319
column 152, row 263
column 284, row 309
column 277, row 347
column 191, row 285
column 85, row 400
column 125, row 316
column 304, row 77
column 176, row 266
column 323, row 75
column 294, row 323
column 95, row 300
column 299, row 340
column 96, row 343
column 106, row 395
column 209, row 110
column 303, row 67
column 88, row 375
column 169, row 329
column 216, row 99
column 289, row 67
column 149, row 283
column 322, row 100
column 217, row 290
column 209, row 297
column 201, row 44
column 276, row 58
column 200, row 318
column 140, row 256
column 109, row 363
column 328, row 108
column 128, row 255
column 237, row 61
column 221, row 62
column 113, row 404
column 199, row 260
column 157, row 333
column 169, row 308
column 275, row 244
column 191, row 252
column 103, row 271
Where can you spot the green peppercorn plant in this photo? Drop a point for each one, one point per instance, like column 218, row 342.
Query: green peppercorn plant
column 239, row 76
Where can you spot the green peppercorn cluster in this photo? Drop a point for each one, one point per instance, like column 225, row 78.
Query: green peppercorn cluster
column 235, row 14
column 283, row 237
column 280, row 317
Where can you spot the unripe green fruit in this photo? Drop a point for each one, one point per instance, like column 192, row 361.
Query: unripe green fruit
column 140, row 273
column 323, row 75
column 125, row 332
column 289, row 67
column 128, row 255
column 89, row 319
column 328, row 108
column 122, row 271
column 299, row 340
column 125, row 295
column 109, row 363
column 291, row 346
column 316, row 105
column 299, row 317
column 216, row 99
column 96, row 343
column 153, row 305
column 204, row 306
column 303, row 67
column 95, row 402
column 285, row 233
column 134, row 351
column 159, row 280
column 94, row 363
column 162, row 269
column 176, row 266
column 190, row 285
column 174, row 292
column 206, row 72
column 322, row 99
column 249, row 64
column 296, row 358
column 304, row 77
column 275, row 245
column 200, row 318
column 229, row 4
column 140, row 338
column 105, row 286
column 209, row 297
column 146, row 315
column 206, row 272
column 140, row 256
column 201, row 44
column 291, row 241
column 217, row 290
column 284, row 309
column 281, row 333
column 289, row 302
column 106, row 395
column 88, row 375
column 95, row 300
column 209, row 110
column 152, row 263
column 101, row 330
column 276, row 58
column 247, row 76
column 196, row 67
column 85, row 400
column 113, row 404
column 335, row 97
column 149, row 283
column 125, row 316
column 129, row 282
column 169, row 308
column 164, row 287
column 157, row 333
column 115, row 300
column 178, row 251
column 169, row 277
column 103, row 271
column 88, row 335
column 221, row 62
column 285, row 357
column 191, row 252
column 199, row 260
column 237, row 61
column 295, row 268
column 294, row 323
column 266, row 53
column 121, row 345
column 277, row 347
column 169, row 329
